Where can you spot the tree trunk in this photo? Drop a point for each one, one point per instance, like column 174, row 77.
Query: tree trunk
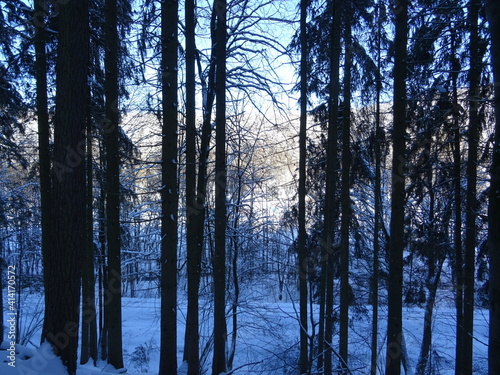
column 113, row 313
column 457, row 197
column 301, row 241
column 345, row 198
column 62, row 259
column 378, row 205
column 219, row 260
column 493, row 13
column 325, row 333
column 396, row 247
column 169, row 191
column 433, row 282
column 192, row 337
column 471, row 199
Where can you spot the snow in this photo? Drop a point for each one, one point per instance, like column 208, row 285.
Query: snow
column 267, row 341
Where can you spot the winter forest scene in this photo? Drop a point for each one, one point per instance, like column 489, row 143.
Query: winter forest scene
column 247, row 187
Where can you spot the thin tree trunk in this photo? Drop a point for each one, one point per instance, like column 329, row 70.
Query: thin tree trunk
column 169, row 190
column 378, row 205
column 325, row 334
column 457, row 231
column 345, row 200
column 301, row 241
column 396, row 247
column 493, row 13
column 219, row 259
column 62, row 259
column 433, row 282
column 471, row 199
column 192, row 338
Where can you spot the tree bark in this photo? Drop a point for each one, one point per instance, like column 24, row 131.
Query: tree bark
column 113, row 313
column 396, row 247
column 62, row 259
column 192, row 338
column 219, row 260
column 457, row 197
column 169, row 190
column 378, row 204
column 493, row 14
column 471, row 199
column 301, row 241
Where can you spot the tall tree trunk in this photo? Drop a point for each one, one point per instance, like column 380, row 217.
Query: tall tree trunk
column 345, row 197
column 396, row 247
column 301, row 241
column 219, row 260
column 471, row 199
column 62, row 259
column 197, row 213
column 457, row 198
column 192, row 337
column 325, row 334
column 113, row 314
column 378, row 204
column 169, row 191
column 493, row 13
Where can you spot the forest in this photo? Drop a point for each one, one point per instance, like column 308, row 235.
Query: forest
column 250, row 187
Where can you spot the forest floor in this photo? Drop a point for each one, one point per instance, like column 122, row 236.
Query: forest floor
column 267, row 339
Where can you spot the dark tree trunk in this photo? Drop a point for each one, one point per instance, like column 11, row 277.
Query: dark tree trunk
column 169, row 191
column 493, row 13
column 325, row 334
column 301, row 241
column 219, row 260
column 378, row 205
column 197, row 213
column 113, row 313
column 192, row 338
column 471, row 199
column 457, row 198
column 62, row 259
column 345, row 197
column 396, row 246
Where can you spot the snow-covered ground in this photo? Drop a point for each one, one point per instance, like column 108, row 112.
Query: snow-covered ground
column 266, row 342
